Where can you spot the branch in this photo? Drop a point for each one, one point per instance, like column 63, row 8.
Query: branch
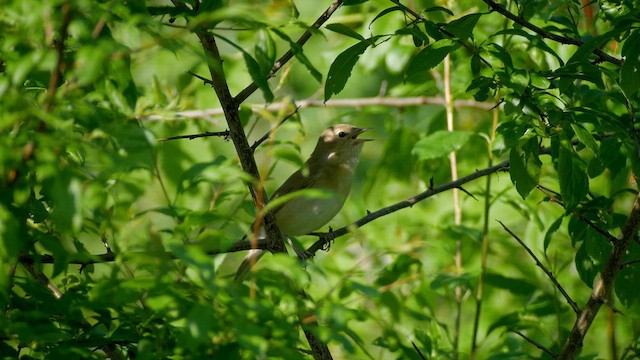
column 56, row 74
column 553, row 198
column 239, row 138
column 109, row 256
column 536, row 344
column 223, row 134
column 549, row 35
column 603, row 285
column 243, row 245
column 246, row 92
column 572, row 303
column 266, row 136
column 334, row 103
column 325, row 237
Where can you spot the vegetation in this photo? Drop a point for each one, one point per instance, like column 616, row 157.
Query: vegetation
column 495, row 215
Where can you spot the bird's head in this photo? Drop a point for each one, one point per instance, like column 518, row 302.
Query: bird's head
column 340, row 144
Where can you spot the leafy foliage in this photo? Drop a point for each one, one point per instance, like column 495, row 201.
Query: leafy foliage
column 113, row 243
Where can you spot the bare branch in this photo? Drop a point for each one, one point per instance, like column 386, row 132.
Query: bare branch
column 56, row 74
column 603, row 285
column 536, row 344
column 549, row 35
column 572, row 303
column 266, row 136
column 204, row 79
column 324, row 237
column 246, row 92
column 223, row 134
column 333, row 103
column 239, row 138
column 243, row 245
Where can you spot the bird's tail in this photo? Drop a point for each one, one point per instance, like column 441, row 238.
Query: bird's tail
column 247, row 263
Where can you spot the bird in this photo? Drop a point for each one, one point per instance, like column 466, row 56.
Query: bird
column 330, row 168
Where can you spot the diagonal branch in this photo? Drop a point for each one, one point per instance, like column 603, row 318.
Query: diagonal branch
column 603, row 56
column 324, row 237
column 536, row 344
column 572, row 303
column 603, row 285
column 246, row 92
column 243, row 245
column 239, row 138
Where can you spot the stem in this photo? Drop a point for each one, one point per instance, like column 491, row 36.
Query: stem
column 457, row 211
column 485, row 238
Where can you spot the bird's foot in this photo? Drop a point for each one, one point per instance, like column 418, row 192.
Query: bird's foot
column 328, row 239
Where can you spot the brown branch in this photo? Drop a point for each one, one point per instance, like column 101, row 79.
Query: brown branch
column 243, row 245
column 109, row 256
column 572, row 303
column 552, row 195
column 536, row 344
column 325, row 237
column 246, row 92
column 223, row 134
column 56, row 74
column 239, row 138
column 335, row 103
column 603, row 285
column 549, row 35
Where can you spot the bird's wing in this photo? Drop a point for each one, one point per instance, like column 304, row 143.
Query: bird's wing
column 297, row 181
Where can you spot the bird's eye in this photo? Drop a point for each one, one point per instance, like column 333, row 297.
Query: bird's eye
column 342, row 134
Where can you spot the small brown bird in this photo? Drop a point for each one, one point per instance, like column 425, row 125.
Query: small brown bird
column 329, row 168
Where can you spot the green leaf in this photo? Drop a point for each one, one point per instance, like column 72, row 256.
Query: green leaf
column 265, row 51
column 439, row 8
column 552, row 230
column 587, row 269
column 572, row 174
column 525, row 166
column 585, row 137
column 462, row 28
column 516, row 286
column 344, row 30
column 258, row 75
column 299, row 54
column 630, row 70
column 341, row 68
column 430, row 56
column 440, row 143
column 385, row 12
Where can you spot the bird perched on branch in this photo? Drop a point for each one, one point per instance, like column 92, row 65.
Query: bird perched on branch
column 329, row 169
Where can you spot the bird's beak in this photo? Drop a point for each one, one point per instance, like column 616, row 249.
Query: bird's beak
column 358, row 131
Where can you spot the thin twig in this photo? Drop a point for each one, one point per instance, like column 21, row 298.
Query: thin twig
column 333, row 103
column 548, row 35
column 319, row 244
column 204, row 79
column 266, row 136
column 243, row 245
column 56, row 74
column 246, row 92
column 223, row 134
column 552, row 195
column 535, row 343
column 418, row 351
column 572, row 303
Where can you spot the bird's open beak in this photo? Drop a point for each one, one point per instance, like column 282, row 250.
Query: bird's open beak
column 359, row 131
